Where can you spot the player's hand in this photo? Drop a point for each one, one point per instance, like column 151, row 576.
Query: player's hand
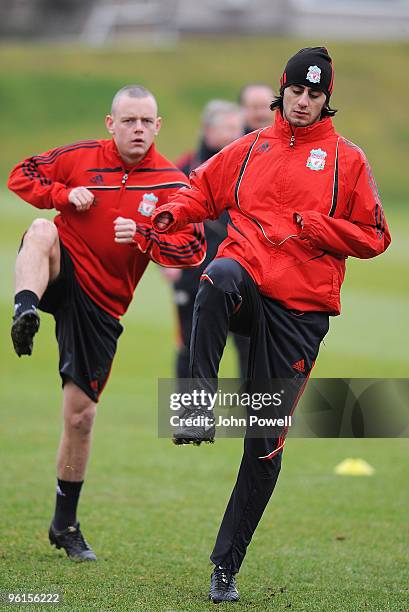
column 299, row 220
column 124, row 230
column 82, row 198
column 163, row 220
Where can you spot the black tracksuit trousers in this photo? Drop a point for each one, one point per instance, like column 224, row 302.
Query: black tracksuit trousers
column 185, row 319
column 228, row 299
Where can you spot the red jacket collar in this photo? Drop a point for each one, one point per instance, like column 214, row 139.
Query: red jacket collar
column 321, row 129
column 114, row 157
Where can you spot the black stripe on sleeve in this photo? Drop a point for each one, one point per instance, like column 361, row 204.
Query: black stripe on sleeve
column 63, row 148
column 196, row 248
column 171, row 248
column 335, row 189
column 243, row 167
column 39, row 160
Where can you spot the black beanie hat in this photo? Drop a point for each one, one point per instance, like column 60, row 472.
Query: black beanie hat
column 310, row 67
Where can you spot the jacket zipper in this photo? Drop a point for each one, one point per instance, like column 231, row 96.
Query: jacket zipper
column 284, row 183
column 123, row 187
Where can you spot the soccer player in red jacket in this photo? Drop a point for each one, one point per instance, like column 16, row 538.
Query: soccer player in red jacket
column 301, row 199
column 83, row 268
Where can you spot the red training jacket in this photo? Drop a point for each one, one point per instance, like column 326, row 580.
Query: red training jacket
column 264, row 179
column 107, row 271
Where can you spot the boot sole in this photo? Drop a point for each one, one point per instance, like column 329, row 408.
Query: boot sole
column 23, row 331
column 217, row 601
column 180, row 441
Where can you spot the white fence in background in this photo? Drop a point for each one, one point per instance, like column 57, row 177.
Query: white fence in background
column 160, row 22
column 346, row 19
column 151, row 21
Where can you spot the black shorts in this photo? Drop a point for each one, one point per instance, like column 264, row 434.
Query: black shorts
column 87, row 335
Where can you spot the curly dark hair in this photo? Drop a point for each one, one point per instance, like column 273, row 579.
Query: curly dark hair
column 327, row 111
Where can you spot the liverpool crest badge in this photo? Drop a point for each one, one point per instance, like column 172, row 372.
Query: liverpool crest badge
column 148, row 204
column 316, row 159
column 314, row 74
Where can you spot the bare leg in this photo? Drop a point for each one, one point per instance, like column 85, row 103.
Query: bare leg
column 78, row 413
column 38, row 261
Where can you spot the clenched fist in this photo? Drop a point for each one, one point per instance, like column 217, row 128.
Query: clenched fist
column 162, row 221
column 124, row 230
column 82, row 198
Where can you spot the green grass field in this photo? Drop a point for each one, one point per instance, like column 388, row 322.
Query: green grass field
column 150, row 510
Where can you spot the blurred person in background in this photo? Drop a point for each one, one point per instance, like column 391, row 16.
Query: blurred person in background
column 301, row 199
column 83, row 269
column 255, row 100
column 221, row 124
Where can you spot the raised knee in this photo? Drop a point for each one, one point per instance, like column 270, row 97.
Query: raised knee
column 43, row 231
column 223, row 274
column 82, row 420
column 209, row 296
column 218, row 291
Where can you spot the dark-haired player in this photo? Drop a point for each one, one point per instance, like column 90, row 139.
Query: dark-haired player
column 301, row 199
